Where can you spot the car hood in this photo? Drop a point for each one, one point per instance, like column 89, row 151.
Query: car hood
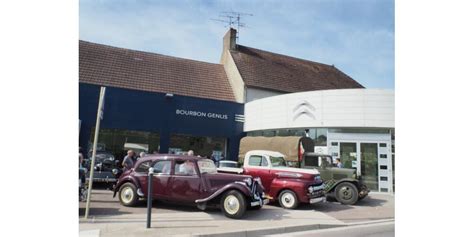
column 221, row 179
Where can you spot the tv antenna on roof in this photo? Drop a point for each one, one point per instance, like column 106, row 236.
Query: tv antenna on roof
column 233, row 19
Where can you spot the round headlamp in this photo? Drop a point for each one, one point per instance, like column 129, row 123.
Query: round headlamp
column 248, row 181
column 115, row 171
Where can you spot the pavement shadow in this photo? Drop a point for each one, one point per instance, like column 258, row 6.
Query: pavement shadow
column 334, row 206
column 371, row 202
column 267, row 214
column 99, row 211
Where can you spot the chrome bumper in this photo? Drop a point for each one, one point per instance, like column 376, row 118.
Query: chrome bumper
column 317, row 200
column 259, row 202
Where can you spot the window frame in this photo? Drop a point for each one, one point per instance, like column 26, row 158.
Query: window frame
column 146, row 171
column 157, row 161
column 196, row 170
column 259, row 164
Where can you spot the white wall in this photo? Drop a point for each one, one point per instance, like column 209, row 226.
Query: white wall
column 233, row 76
column 325, row 108
column 252, row 94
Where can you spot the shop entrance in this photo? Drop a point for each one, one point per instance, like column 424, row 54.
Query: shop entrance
column 368, row 155
column 369, row 165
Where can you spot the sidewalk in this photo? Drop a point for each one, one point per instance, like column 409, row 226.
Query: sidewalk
column 109, row 218
column 269, row 220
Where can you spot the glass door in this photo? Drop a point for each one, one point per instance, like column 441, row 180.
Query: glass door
column 369, row 165
column 348, row 152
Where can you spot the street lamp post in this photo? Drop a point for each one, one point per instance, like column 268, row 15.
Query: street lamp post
column 94, row 149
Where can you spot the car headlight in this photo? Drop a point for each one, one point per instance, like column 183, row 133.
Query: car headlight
column 317, row 178
column 248, row 181
column 115, row 171
column 354, row 176
column 310, row 189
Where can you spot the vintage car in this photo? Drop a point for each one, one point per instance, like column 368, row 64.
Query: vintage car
column 290, row 186
column 341, row 184
column 190, row 180
column 106, row 168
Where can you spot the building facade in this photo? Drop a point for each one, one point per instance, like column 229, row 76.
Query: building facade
column 164, row 104
column 156, row 103
column 355, row 125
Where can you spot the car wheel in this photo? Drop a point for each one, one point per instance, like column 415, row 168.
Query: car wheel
column 288, row 199
column 233, row 204
column 128, row 195
column 346, row 193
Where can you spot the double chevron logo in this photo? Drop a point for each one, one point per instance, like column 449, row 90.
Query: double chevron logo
column 240, row 118
column 304, row 108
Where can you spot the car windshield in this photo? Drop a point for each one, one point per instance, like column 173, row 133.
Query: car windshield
column 277, row 161
column 207, row 166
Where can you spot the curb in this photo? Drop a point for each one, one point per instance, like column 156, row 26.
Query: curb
column 371, row 222
column 271, row 231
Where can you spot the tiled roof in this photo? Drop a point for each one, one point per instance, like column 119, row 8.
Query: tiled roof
column 131, row 69
column 278, row 72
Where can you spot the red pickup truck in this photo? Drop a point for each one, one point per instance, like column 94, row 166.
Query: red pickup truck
column 290, row 186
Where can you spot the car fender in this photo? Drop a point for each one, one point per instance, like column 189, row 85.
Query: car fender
column 353, row 181
column 295, row 185
column 126, row 179
column 235, row 185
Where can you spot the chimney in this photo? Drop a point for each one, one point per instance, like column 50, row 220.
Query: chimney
column 230, row 38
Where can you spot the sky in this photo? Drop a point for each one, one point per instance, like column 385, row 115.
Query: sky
column 357, row 36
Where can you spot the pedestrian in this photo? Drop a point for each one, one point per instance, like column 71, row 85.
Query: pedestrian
column 190, row 153
column 338, row 163
column 127, row 162
column 81, row 160
column 142, row 155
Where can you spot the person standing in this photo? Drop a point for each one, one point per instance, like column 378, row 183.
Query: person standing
column 338, row 163
column 81, row 160
column 142, row 155
column 127, row 162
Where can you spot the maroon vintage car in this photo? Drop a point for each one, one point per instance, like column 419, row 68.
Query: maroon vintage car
column 190, row 180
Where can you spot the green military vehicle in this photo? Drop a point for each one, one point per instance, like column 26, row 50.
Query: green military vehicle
column 341, row 184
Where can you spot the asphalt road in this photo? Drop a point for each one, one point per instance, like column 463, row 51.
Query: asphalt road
column 373, row 207
column 386, row 229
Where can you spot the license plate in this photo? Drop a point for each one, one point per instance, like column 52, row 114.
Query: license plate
column 257, row 203
column 260, row 202
column 316, row 200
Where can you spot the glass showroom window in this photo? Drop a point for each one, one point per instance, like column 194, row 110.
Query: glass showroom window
column 203, row 146
column 321, row 137
column 118, row 141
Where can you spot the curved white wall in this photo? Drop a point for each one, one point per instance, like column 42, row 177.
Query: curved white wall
column 326, row 108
